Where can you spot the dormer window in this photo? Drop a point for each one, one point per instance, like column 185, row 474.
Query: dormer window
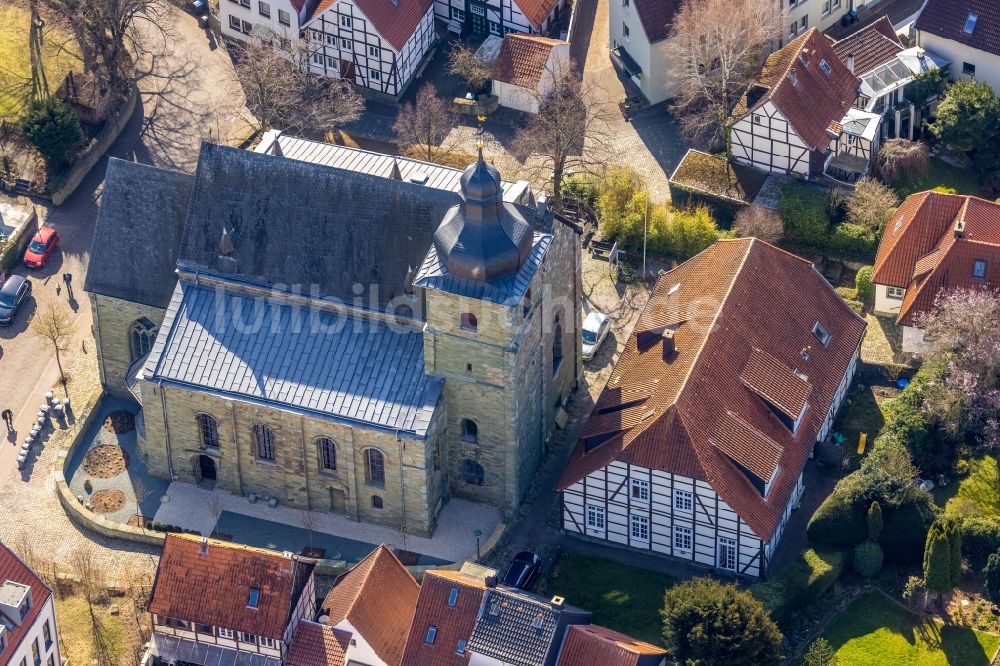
column 254, row 597
column 979, row 268
column 821, row 334
column 452, row 597
column 970, row 24
column 469, row 322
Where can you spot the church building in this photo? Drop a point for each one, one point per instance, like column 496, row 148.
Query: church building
column 336, row 340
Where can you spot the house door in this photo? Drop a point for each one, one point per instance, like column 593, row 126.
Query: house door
column 207, row 466
column 347, row 70
column 727, row 553
column 477, row 18
column 338, row 503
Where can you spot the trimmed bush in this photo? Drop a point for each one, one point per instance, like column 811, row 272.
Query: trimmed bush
column 980, row 537
column 803, row 210
column 863, row 283
column 867, row 559
column 800, row 583
column 851, row 241
column 52, row 127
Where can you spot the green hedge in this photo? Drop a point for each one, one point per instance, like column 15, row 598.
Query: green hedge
column 723, row 209
column 11, row 248
column 980, row 538
column 800, row 583
column 852, row 242
column 803, row 209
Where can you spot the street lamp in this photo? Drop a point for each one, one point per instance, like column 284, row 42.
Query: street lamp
column 478, row 532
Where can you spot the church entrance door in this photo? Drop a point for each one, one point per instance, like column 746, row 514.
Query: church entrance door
column 338, row 503
column 207, row 465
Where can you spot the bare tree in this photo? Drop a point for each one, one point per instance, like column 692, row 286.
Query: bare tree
column 424, row 124
column 54, row 322
column 463, row 62
column 759, row 222
column 902, row 160
column 309, row 522
column 92, row 584
column 137, row 591
column 717, row 48
column 871, row 204
column 566, row 117
column 282, row 93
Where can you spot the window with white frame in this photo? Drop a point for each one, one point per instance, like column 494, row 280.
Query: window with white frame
column 268, row 642
column 836, row 4
column 374, row 51
column 458, row 14
column 318, row 59
column 345, row 44
column 284, row 18
column 826, row 7
column 895, row 292
column 727, row 553
column 331, row 62
column 595, row 517
column 979, row 268
column 683, row 501
column 625, row 31
column 245, row 3
column 225, row 633
column 264, row 9
column 247, row 638
column 794, row 29
column 374, row 75
column 345, row 21
column 331, row 40
column 640, row 527
column 804, row 23
column 247, row 27
column 317, row 36
column 234, row 22
column 639, row 490
column 682, row 538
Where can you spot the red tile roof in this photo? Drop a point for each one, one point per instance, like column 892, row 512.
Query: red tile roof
column 809, row 98
column 395, row 21
column 13, row 569
column 229, row 570
column 522, row 59
column 735, row 298
column 657, row 17
column 378, row 597
column 871, row 46
column 453, row 623
column 592, row 645
column 318, row 645
column 536, row 11
column 946, row 18
column 921, row 253
column 772, row 380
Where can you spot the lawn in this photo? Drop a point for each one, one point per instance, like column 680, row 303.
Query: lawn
column 874, row 630
column 974, row 495
column 621, row 597
column 861, row 412
column 76, row 630
column 59, row 52
column 942, row 174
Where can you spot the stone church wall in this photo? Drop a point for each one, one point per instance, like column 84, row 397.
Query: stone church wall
column 113, row 319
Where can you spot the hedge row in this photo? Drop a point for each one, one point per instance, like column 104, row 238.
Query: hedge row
column 805, row 211
column 800, row 583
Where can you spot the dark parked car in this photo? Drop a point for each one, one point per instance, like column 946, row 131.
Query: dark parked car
column 13, row 294
column 523, row 571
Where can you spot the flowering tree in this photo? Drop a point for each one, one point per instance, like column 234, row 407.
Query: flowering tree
column 962, row 333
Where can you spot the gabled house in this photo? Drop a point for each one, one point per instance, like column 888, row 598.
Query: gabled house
column 219, row 602
column 696, row 447
column 318, row 644
column 446, row 613
column 374, row 602
column 932, row 242
column 376, row 44
column 479, row 18
column 799, row 116
column 28, row 631
column 967, row 34
column 593, row 645
column 639, row 33
column 886, row 68
column 527, row 68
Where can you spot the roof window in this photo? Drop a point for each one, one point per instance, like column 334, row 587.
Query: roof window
column 452, row 597
column 673, row 289
column 254, row 597
column 825, row 66
column 821, row 334
column 970, row 24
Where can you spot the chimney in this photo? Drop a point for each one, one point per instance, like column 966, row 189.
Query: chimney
column 491, row 581
column 669, row 346
column 850, row 62
column 792, row 77
column 396, row 174
column 276, row 146
column 204, row 546
column 959, row 228
column 558, row 602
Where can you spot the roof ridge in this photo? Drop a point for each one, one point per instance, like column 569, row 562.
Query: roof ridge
column 231, row 545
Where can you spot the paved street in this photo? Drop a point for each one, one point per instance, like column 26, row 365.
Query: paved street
column 184, row 99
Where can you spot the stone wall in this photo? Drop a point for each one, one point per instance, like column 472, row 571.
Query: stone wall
column 411, row 494
column 113, row 319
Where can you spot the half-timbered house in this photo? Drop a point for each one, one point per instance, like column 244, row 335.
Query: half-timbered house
column 479, row 18
column 696, row 447
column 797, row 118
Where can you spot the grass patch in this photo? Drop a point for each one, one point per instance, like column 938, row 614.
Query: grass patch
column 59, row 51
column 974, row 495
column 861, row 412
column 874, row 630
column 804, row 580
column 942, row 174
column 76, row 630
column 621, row 597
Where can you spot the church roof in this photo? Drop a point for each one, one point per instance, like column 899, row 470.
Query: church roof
column 326, row 364
column 138, row 233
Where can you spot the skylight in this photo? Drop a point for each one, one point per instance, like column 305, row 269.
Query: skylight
column 254, row 597
column 970, row 24
column 821, row 334
column 825, row 66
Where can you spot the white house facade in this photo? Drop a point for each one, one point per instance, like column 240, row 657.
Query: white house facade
column 526, row 68
column 639, row 37
column 967, row 34
column 696, row 447
column 479, row 18
column 28, row 632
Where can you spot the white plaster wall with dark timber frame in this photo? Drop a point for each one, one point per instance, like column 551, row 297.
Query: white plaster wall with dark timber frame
column 256, row 17
column 504, row 12
column 766, row 140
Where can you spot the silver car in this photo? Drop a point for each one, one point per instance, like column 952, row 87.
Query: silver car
column 595, row 329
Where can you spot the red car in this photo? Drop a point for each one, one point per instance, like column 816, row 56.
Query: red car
column 41, row 247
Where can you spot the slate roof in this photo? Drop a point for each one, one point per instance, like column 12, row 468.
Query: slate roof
column 396, row 21
column 378, row 596
column 921, row 253
column 698, row 417
column 521, row 629
column 871, row 46
column 327, row 364
column 229, row 570
column 453, row 623
column 297, row 223
column 12, row 568
column 593, row 645
column 657, row 17
column 809, row 98
column 138, row 233
column 946, row 18
column 316, row 644
column 523, row 59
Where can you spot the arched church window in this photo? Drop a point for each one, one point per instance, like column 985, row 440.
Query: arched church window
column 557, row 344
column 470, row 431
column 472, row 472
column 470, row 322
column 141, row 337
column 264, row 439
column 208, row 428
column 374, row 467
column 327, row 453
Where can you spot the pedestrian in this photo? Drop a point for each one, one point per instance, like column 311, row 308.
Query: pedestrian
column 68, row 279
column 8, row 418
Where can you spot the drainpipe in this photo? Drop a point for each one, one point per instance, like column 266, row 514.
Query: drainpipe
column 305, row 470
column 236, row 448
column 402, row 483
column 166, row 432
